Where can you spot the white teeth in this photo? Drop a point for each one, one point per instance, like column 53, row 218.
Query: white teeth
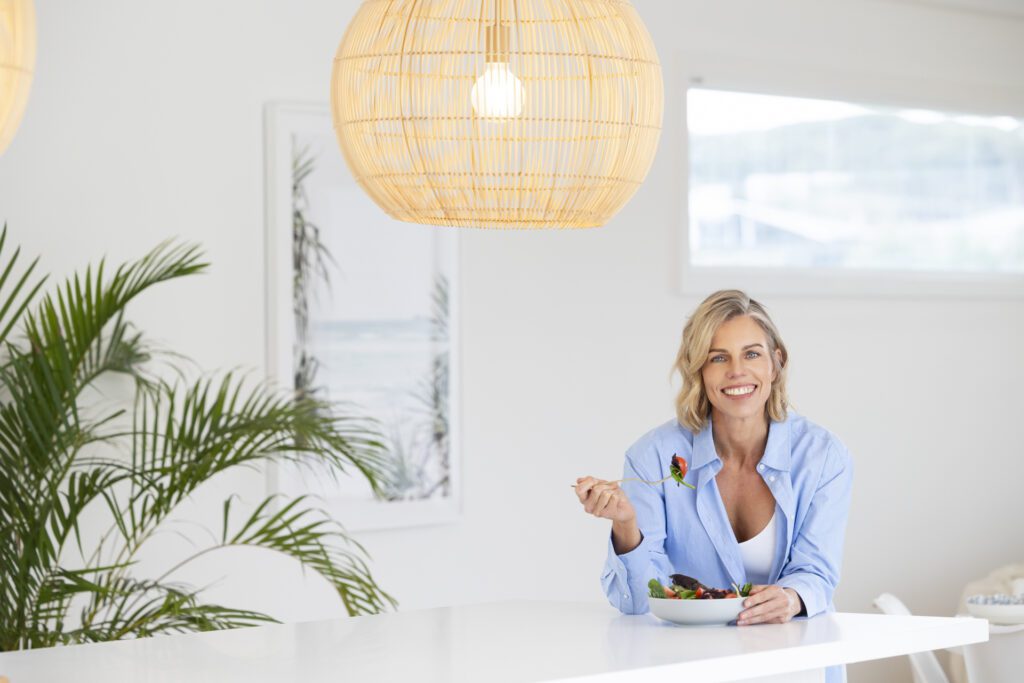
column 739, row 391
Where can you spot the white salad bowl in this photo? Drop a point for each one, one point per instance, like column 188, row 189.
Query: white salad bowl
column 697, row 612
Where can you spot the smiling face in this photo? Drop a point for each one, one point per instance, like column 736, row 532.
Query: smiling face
column 739, row 369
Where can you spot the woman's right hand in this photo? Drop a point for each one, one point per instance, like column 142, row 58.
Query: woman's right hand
column 605, row 499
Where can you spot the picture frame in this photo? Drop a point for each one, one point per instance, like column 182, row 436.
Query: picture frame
column 380, row 334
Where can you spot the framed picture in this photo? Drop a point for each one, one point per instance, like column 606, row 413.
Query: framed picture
column 362, row 309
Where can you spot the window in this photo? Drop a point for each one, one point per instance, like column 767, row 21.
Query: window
column 809, row 184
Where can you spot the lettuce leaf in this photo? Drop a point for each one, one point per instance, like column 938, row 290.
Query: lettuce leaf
column 656, row 589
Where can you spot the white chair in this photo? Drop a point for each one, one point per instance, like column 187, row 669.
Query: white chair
column 998, row 660
column 924, row 665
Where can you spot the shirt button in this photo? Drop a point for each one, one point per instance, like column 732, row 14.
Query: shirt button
column 625, row 596
column 771, row 478
column 760, row 468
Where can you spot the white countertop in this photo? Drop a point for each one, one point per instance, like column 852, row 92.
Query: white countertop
column 495, row 642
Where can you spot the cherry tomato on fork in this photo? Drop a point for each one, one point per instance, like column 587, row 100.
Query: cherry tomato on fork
column 678, row 470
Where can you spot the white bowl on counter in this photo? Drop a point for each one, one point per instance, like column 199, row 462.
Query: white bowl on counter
column 697, row 612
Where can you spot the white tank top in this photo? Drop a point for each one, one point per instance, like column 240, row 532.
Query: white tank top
column 759, row 552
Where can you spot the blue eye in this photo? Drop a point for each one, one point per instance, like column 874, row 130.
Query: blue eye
column 753, row 354
column 717, row 359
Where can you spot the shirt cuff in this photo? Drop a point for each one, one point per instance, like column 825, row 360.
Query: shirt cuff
column 809, row 590
column 631, row 568
column 635, row 559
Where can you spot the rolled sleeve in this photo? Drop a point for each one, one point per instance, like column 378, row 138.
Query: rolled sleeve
column 817, row 548
column 625, row 576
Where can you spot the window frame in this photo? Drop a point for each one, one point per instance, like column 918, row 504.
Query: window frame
column 694, row 70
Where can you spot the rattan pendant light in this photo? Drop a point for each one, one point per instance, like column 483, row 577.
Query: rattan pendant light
column 17, row 58
column 498, row 113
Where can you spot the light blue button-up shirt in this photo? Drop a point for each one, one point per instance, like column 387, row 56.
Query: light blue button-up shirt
column 687, row 531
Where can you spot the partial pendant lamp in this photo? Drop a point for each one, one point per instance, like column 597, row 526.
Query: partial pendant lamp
column 498, row 113
column 17, row 59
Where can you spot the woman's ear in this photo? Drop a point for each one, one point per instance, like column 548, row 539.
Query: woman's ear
column 777, row 365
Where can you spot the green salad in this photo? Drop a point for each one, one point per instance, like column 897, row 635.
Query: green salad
column 682, row 587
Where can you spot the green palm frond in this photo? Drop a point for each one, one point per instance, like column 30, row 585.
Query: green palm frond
column 147, row 608
column 65, row 330
column 42, row 429
column 66, row 353
column 62, row 452
column 310, row 536
column 15, row 300
column 182, row 438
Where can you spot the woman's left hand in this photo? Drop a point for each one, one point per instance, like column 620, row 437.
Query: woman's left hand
column 769, row 605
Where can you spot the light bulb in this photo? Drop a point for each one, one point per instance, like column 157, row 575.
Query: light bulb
column 497, row 94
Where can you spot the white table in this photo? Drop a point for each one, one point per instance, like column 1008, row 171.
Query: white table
column 497, row 643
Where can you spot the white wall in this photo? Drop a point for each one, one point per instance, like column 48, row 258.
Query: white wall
column 145, row 123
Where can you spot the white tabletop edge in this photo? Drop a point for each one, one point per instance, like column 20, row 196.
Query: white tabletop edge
column 722, row 670
column 462, row 643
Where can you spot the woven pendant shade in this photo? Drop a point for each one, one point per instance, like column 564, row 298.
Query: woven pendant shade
column 498, row 113
column 17, row 58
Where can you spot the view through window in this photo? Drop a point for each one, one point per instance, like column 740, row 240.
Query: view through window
column 795, row 182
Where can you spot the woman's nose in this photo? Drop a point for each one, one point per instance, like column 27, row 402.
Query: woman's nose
column 735, row 368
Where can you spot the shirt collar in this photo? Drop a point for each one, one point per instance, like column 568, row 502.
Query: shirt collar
column 776, row 452
column 703, row 447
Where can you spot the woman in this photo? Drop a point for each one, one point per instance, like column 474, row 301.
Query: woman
column 772, row 488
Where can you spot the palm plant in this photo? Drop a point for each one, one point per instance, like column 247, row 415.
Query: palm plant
column 61, row 452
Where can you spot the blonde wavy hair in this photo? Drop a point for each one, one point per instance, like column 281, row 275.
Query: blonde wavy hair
column 692, row 404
